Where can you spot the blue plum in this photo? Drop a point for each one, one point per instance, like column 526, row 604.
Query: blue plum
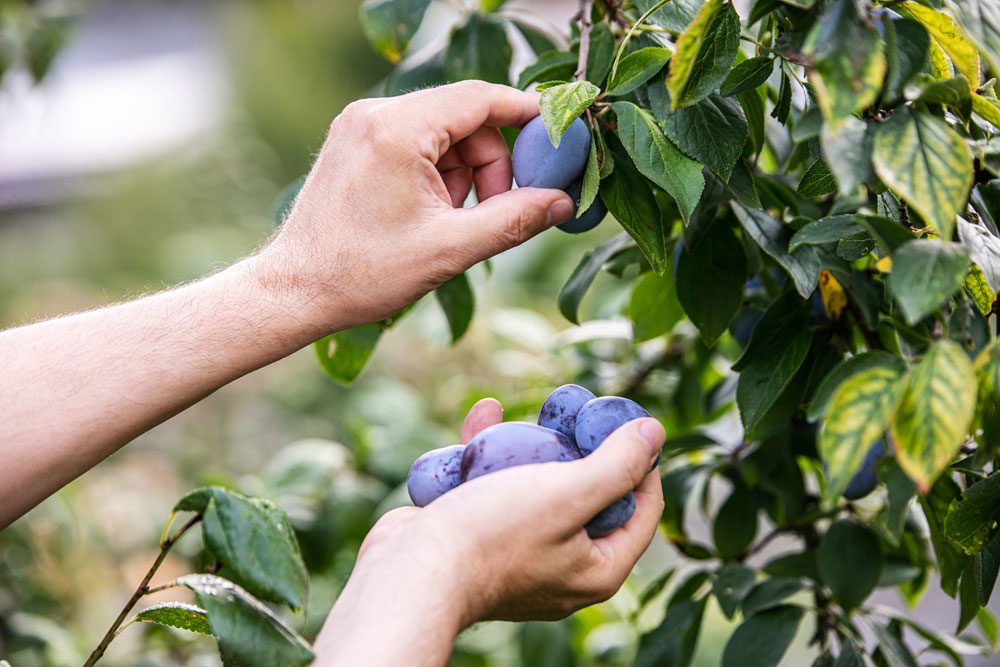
column 561, row 407
column 611, row 517
column 600, row 417
column 593, row 217
column 539, row 164
column 513, row 444
column 865, row 480
column 434, row 474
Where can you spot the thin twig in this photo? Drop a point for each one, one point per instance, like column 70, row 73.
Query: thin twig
column 140, row 591
column 586, row 23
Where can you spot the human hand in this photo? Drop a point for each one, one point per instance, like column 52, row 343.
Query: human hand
column 379, row 222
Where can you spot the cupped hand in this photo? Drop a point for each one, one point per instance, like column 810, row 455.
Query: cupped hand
column 513, row 541
column 379, row 221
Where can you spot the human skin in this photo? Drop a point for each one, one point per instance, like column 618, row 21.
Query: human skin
column 378, row 224
column 509, row 546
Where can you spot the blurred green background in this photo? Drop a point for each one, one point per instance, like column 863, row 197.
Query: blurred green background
column 334, row 458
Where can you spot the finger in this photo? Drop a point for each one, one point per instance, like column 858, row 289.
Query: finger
column 486, row 152
column 386, row 525
column 503, row 221
column 618, row 466
column 458, row 181
column 624, row 545
column 485, row 413
column 461, row 108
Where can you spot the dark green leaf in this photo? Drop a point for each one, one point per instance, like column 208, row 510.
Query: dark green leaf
column 704, row 53
column 925, row 274
column 784, row 104
column 549, row 644
column 802, row 266
column 847, row 149
column 675, row 15
column 891, row 648
column 479, row 50
column 458, row 303
column 752, row 103
column 770, row 593
column 968, row 598
column 889, row 234
column 175, row 615
column 850, row 562
column 637, row 68
column 849, row 656
column 989, row 565
column 950, row 559
column 901, row 491
column 793, row 565
column 657, row 158
column 731, row 585
column 673, row 642
column 817, row 181
column 44, row 43
column 343, row 355
column 763, row 639
column 825, row 230
column 710, row 281
column 713, row 131
column 631, row 202
column 747, row 75
column 736, row 523
column 583, row 275
column 653, row 306
column 984, row 248
column 550, row 66
column 907, row 47
column 602, row 53
column 389, row 24
column 970, row 518
column 249, row 633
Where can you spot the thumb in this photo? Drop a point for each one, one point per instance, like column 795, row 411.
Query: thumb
column 617, row 466
column 506, row 220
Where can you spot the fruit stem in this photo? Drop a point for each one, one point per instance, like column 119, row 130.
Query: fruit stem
column 140, row 591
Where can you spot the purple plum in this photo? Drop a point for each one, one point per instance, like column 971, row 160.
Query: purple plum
column 539, row 164
column 593, row 216
column 611, row 517
column 513, row 444
column 865, row 480
column 434, row 474
column 600, row 417
column 561, row 407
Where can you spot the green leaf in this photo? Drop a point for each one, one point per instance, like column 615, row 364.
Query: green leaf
column 987, row 369
column 784, row 104
column 458, row 302
column 591, row 179
column 970, row 518
column 850, row 656
column 907, row 48
column 925, row 274
column 825, row 230
column 343, row 355
column 848, row 62
column 891, row 648
column 175, row 615
column 752, row 103
column 602, row 53
column 636, row 69
column 770, row 593
column 674, row 640
column 704, row 53
column 859, row 411
column 979, row 291
column 950, row 36
column 981, row 20
column 888, row 233
column 674, row 16
column 479, row 50
column 249, row 633
column 735, row 525
column 763, row 639
column 747, row 75
column 390, row 24
column 950, row 559
column 935, row 413
column 984, row 248
column 989, row 565
column 713, row 131
column 561, row 105
column 549, row 644
column 653, row 306
column 767, row 375
column 731, row 585
column 817, row 181
column 803, row 265
column 552, row 65
column 631, row 202
column 847, row 149
column 987, row 107
column 850, row 562
column 924, row 162
column 710, row 281
column 658, row 159
column 583, row 275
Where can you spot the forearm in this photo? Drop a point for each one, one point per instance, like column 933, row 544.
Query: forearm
column 75, row 389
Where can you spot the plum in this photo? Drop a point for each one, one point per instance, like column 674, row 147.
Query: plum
column 865, row 480
column 561, row 407
column 611, row 517
column 434, row 474
column 539, row 164
column 513, row 444
column 593, row 217
column 600, row 417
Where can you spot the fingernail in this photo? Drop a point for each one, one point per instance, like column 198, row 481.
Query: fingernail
column 651, row 431
column 559, row 211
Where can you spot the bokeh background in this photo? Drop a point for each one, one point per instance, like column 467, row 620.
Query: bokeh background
column 153, row 153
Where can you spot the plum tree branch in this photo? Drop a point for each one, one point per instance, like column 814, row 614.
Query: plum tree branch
column 586, row 23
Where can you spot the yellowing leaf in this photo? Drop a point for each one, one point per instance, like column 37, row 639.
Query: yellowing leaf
column 832, row 292
column 952, row 38
column 884, row 265
column 705, row 53
column 940, row 67
column 859, row 411
column 935, row 413
column 979, row 289
column 988, row 108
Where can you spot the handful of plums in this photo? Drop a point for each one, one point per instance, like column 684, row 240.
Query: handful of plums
column 571, row 424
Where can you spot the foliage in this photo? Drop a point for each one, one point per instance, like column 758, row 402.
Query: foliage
column 824, row 173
